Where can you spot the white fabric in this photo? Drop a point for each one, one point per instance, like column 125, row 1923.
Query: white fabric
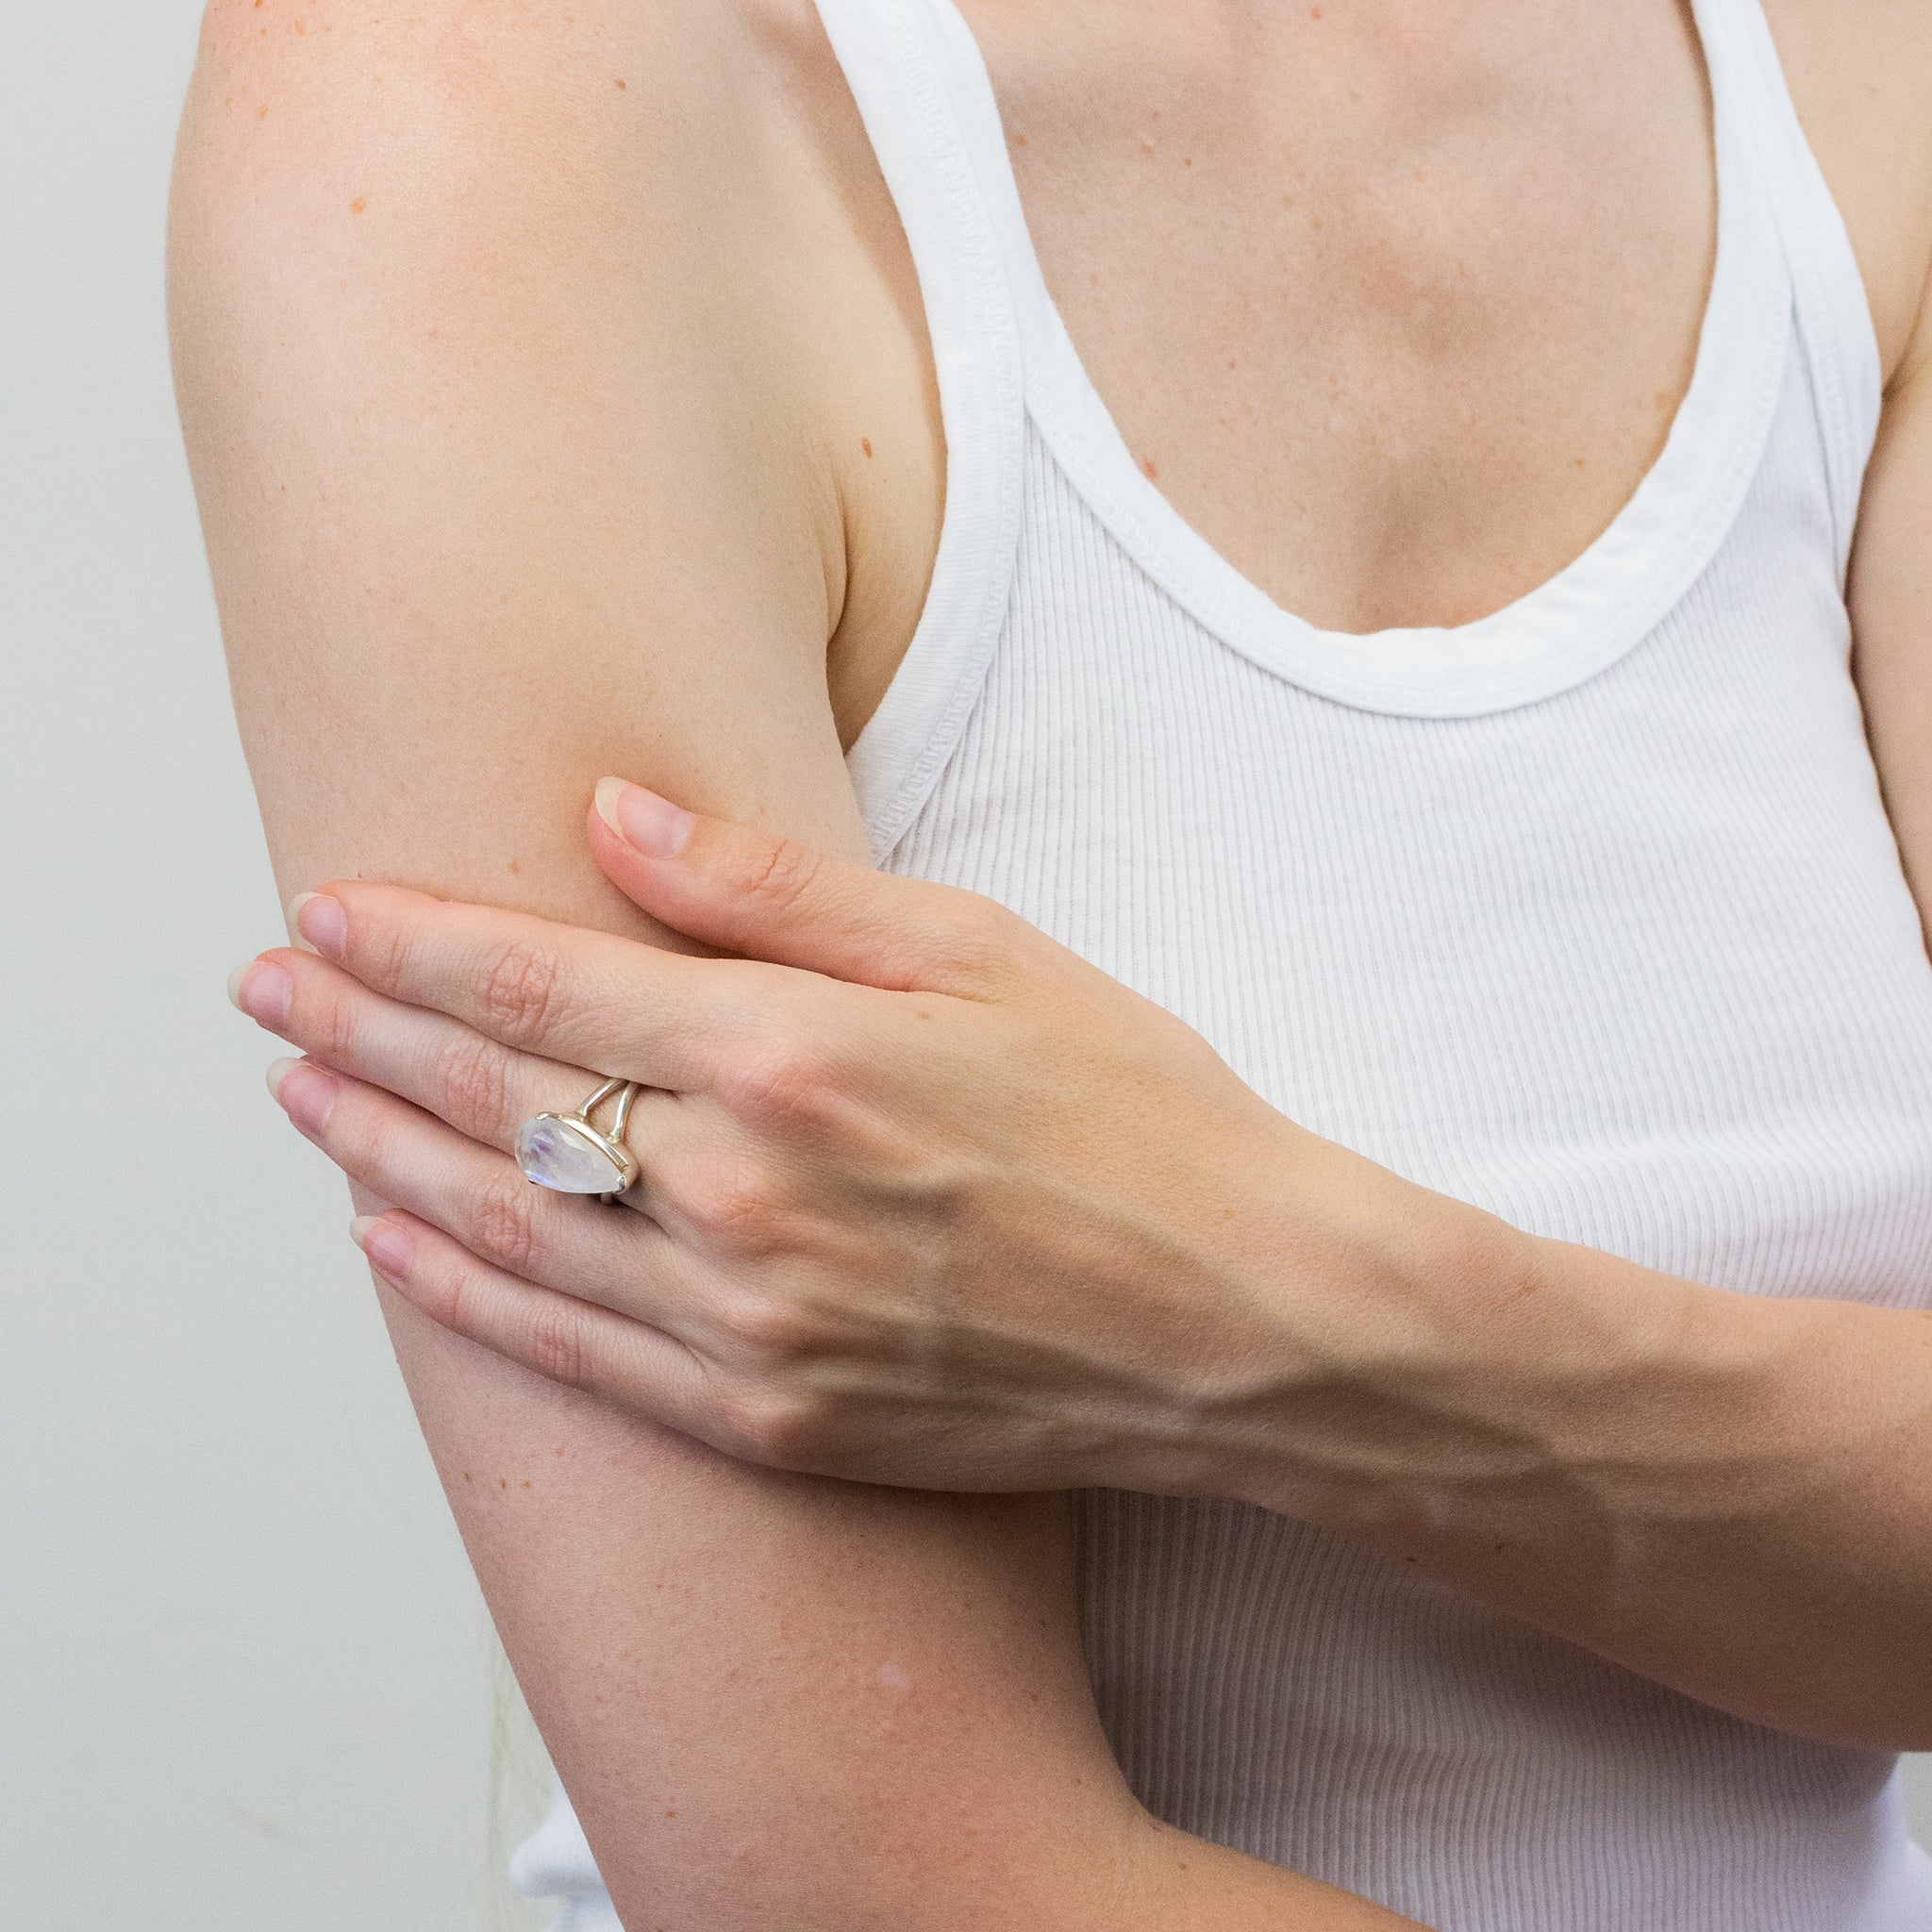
column 1587, row 912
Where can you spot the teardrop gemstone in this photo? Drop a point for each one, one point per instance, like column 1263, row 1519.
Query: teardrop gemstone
column 558, row 1153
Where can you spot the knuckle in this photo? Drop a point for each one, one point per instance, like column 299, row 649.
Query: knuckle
column 983, row 937
column 781, row 874
column 383, row 957
column 504, row 1223
column 558, row 1345
column 332, row 1030
column 448, row 1293
column 990, row 927
column 521, row 994
column 735, row 1212
column 778, row 1427
column 472, row 1085
column 778, row 1080
column 769, row 1329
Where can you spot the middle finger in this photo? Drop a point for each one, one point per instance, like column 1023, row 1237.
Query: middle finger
column 481, row 1088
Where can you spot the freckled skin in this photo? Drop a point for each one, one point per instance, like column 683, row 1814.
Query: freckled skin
column 1395, row 145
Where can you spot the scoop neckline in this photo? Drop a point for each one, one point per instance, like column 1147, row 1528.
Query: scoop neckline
column 1562, row 632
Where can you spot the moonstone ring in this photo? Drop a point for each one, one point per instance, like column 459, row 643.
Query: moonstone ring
column 565, row 1152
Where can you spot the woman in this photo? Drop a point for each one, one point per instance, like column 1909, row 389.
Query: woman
column 1340, row 518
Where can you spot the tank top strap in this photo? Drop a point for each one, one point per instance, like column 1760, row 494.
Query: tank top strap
column 1833, row 314
column 904, row 79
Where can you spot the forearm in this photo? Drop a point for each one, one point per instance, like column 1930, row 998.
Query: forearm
column 1727, row 1493
column 1764, row 1506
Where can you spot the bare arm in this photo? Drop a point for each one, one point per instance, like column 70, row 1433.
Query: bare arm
column 503, row 489
column 1891, row 603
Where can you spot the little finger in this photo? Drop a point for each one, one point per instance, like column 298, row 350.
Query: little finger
column 575, row 1343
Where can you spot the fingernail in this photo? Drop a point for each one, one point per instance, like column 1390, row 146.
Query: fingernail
column 323, row 923
column 651, row 825
column 264, row 991
column 307, row 1096
column 388, row 1247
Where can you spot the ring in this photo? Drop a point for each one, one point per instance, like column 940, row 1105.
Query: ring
column 565, row 1152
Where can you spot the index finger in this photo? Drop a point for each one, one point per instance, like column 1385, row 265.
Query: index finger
column 618, row 1007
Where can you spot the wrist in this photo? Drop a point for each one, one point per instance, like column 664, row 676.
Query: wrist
column 1376, row 1304
column 1453, row 1376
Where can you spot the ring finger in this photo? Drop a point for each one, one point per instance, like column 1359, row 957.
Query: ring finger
column 623, row 1263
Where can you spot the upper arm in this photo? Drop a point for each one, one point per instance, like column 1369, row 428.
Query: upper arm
column 1892, row 618
column 1890, row 590
column 1861, row 76
column 501, row 493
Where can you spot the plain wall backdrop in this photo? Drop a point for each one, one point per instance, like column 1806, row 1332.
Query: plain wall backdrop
column 246, row 1682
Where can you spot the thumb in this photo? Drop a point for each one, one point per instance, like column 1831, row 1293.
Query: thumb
column 754, row 892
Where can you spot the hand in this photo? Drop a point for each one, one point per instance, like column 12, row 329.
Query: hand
column 926, row 1199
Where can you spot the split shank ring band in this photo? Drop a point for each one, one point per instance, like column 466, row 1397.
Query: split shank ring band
column 566, row 1152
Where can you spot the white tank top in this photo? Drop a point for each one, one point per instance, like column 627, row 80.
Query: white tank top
column 1587, row 912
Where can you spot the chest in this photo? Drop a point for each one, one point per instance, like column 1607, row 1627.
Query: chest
column 1396, row 303
column 1634, row 966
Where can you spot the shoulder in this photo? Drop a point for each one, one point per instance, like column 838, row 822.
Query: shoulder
column 401, row 230
column 631, row 257
column 1860, row 73
column 561, row 118
column 556, row 53
column 672, row 192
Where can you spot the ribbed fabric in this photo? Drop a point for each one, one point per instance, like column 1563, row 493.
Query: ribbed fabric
column 1589, row 914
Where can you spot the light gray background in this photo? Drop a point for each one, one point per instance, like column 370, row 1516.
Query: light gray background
column 245, row 1679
